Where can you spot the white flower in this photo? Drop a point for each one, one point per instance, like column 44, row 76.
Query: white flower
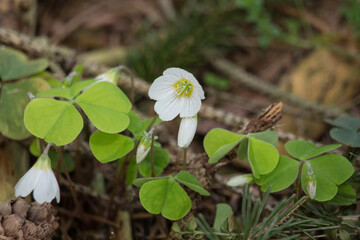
column 144, row 146
column 187, row 131
column 40, row 179
column 176, row 92
column 240, row 180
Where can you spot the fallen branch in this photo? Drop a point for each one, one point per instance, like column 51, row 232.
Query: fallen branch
column 252, row 82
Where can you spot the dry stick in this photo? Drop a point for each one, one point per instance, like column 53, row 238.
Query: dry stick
column 88, row 215
column 36, row 46
column 59, row 151
column 254, row 83
column 41, row 144
column 286, row 217
column 85, row 190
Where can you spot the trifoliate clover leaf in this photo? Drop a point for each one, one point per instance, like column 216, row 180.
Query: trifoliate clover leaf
column 303, row 150
column 106, row 106
column 165, row 197
column 14, row 64
column 55, row 121
column 218, row 142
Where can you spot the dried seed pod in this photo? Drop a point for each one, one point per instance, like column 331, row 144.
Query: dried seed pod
column 22, row 220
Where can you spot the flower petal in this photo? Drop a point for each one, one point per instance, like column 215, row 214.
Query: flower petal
column 141, row 153
column 47, row 187
column 198, row 91
column 169, row 108
column 187, row 131
column 55, row 185
column 162, row 87
column 27, row 183
column 191, row 106
column 177, row 72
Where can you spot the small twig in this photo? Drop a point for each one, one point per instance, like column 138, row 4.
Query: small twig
column 254, row 83
column 88, row 215
column 286, row 217
column 85, row 190
column 59, row 151
column 41, row 144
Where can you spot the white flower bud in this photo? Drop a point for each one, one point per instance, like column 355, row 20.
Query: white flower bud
column 144, row 146
column 310, row 183
column 110, row 76
column 187, row 131
column 240, row 180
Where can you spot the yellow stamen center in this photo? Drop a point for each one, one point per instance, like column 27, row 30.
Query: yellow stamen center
column 184, row 88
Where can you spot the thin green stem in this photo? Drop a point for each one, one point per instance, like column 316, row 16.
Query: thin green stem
column 151, row 124
column 1, row 84
column 47, row 148
column 152, row 155
column 132, row 79
column 184, row 158
column 297, row 186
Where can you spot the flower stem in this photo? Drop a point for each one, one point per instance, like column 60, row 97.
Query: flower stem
column 297, row 186
column 47, row 148
column 184, row 158
column 59, row 151
column 151, row 124
column 152, row 155
column 132, row 79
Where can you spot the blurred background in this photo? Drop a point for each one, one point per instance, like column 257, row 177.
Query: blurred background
column 309, row 48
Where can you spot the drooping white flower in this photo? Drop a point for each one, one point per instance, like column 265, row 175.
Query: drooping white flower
column 144, row 146
column 40, row 179
column 240, row 180
column 176, row 92
column 187, row 131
